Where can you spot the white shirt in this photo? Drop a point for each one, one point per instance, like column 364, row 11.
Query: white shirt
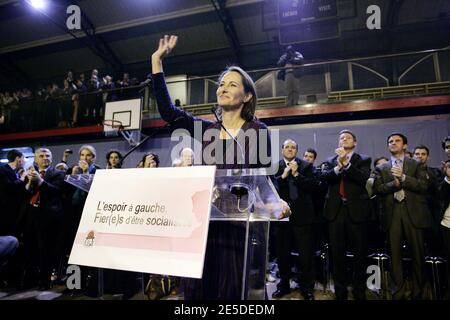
column 394, row 159
column 287, row 161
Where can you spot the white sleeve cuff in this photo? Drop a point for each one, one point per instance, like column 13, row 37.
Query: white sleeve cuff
column 336, row 170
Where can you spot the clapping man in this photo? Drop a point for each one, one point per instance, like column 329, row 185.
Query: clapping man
column 346, row 209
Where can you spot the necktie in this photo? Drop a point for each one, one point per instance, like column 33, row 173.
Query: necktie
column 293, row 190
column 399, row 195
column 342, row 188
column 35, row 199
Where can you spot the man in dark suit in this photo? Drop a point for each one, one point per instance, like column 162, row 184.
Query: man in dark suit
column 402, row 184
column 295, row 183
column 320, row 225
column 346, row 209
column 12, row 192
column 444, row 195
column 432, row 235
column 45, row 209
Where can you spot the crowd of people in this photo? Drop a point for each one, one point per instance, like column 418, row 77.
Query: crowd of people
column 76, row 101
column 41, row 212
column 343, row 203
column 353, row 207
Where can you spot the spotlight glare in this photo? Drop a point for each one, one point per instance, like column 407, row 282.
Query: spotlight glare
column 37, row 4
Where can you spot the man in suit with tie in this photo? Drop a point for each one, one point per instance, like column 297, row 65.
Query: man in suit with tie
column 12, row 192
column 295, row 182
column 346, row 209
column 402, row 184
column 45, row 209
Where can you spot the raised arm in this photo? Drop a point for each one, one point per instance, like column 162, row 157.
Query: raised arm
column 167, row 110
column 166, row 46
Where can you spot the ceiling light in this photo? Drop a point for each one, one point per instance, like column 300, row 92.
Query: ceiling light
column 37, row 4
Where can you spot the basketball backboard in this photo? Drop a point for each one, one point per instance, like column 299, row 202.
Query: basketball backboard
column 128, row 112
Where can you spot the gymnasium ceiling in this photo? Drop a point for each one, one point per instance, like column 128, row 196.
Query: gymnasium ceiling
column 120, row 35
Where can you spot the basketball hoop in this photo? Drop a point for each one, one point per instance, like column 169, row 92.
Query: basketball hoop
column 124, row 117
column 112, row 127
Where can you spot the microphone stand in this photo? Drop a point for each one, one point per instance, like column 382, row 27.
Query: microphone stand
column 239, row 189
column 148, row 137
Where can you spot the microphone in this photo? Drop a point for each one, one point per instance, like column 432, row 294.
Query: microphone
column 239, row 189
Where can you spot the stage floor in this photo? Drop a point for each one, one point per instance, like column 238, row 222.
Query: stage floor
column 60, row 293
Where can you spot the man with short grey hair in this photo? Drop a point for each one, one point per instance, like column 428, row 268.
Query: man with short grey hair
column 45, row 212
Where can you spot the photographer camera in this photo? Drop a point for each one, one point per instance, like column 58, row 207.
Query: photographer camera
column 289, row 59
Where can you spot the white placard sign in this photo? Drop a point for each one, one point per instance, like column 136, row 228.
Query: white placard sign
column 147, row 220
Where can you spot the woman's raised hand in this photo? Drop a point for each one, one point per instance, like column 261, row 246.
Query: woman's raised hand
column 166, row 45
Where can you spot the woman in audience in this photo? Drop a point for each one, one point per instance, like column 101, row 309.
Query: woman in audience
column 114, row 159
column 150, row 160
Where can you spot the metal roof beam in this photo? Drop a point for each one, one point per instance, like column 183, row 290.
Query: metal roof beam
column 221, row 8
column 96, row 42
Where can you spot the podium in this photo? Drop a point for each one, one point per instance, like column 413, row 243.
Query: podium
column 243, row 203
